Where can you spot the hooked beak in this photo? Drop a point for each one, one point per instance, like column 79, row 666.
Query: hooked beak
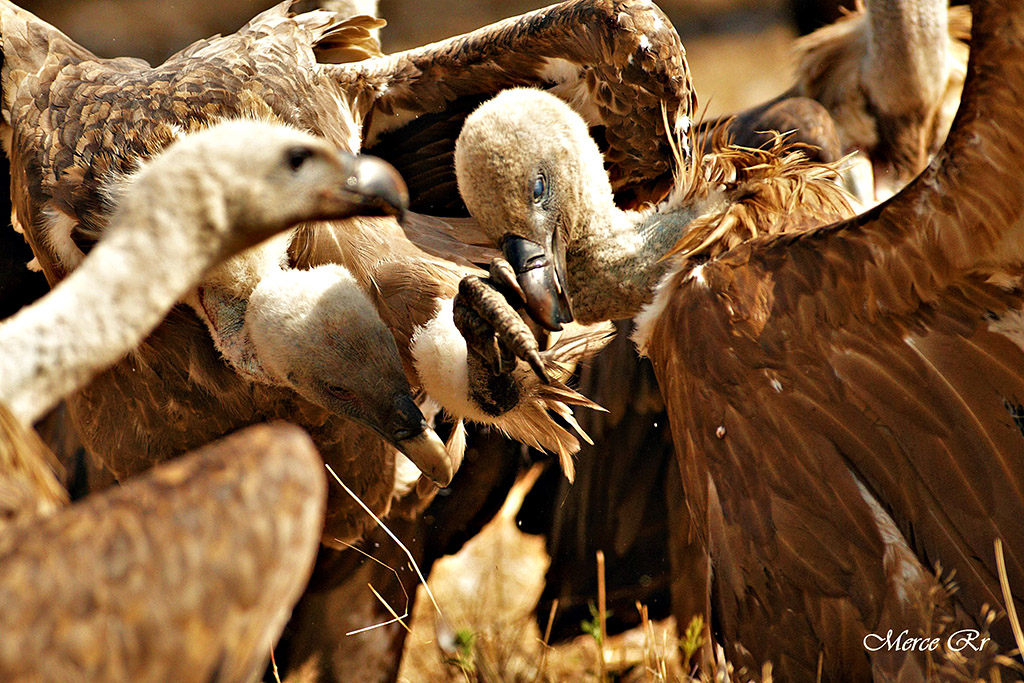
column 372, row 187
column 540, row 272
column 408, row 432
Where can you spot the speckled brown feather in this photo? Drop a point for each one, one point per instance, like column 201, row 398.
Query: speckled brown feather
column 76, row 126
column 765, row 191
column 187, row 573
column 886, row 348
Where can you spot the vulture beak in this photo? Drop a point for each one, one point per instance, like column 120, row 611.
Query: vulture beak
column 540, row 272
column 411, row 434
column 373, row 187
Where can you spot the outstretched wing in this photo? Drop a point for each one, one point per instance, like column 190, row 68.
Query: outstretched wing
column 883, row 354
column 617, row 62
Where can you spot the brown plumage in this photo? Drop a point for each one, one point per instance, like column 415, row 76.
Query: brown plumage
column 844, row 399
column 177, row 392
column 76, row 127
column 77, row 123
column 186, row 573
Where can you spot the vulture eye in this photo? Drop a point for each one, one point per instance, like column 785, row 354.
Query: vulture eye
column 540, row 188
column 296, row 156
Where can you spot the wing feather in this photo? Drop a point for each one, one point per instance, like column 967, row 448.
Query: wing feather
column 618, row 63
column 884, row 352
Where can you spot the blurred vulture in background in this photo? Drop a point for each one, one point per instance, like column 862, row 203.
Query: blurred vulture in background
column 884, row 81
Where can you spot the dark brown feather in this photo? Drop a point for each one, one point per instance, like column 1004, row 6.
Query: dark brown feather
column 885, row 351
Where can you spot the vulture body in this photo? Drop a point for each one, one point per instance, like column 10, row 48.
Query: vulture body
column 186, row 573
column 844, row 398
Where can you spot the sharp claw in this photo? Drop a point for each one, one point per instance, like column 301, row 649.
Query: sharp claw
column 509, row 336
column 504, row 278
column 534, row 359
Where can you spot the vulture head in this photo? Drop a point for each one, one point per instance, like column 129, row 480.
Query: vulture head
column 533, row 177
column 320, row 335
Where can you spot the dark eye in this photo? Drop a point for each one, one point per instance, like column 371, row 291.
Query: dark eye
column 296, row 156
column 540, row 188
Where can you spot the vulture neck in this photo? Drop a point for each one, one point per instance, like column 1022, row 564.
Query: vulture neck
column 617, row 258
column 224, row 297
column 106, row 306
column 906, row 53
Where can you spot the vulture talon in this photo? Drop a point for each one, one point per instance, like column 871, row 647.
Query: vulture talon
column 537, row 364
column 504, row 279
column 481, row 301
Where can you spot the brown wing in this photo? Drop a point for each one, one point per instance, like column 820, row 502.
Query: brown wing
column 886, row 350
column 618, row 63
column 187, row 573
column 79, row 123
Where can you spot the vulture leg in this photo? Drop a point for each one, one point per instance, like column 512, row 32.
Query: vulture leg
column 485, row 313
column 485, row 309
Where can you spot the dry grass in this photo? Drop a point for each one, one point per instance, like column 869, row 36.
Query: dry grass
column 488, row 591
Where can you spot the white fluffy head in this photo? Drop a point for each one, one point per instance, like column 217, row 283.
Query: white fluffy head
column 510, row 142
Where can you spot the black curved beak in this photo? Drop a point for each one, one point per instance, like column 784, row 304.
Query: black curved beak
column 374, row 187
column 409, row 432
column 540, row 272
